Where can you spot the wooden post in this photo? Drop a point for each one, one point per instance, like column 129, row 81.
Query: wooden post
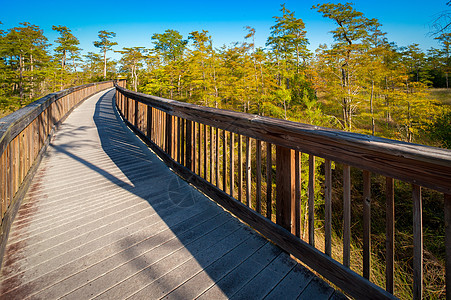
column 311, row 200
column 346, row 215
column 240, row 168
column 328, row 207
column 390, row 234
column 448, row 245
column 297, row 188
column 168, row 134
column 189, row 147
column 258, row 161
column 366, row 224
column 268, row 180
column 285, row 194
column 248, row 172
column 417, row 242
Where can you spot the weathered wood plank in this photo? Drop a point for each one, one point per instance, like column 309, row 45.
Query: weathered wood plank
column 285, row 195
column 423, row 165
column 447, row 208
column 268, row 180
column 346, row 216
column 258, row 170
column 328, row 207
column 248, row 172
column 297, row 188
column 417, row 242
column 366, row 224
column 390, row 234
column 311, row 200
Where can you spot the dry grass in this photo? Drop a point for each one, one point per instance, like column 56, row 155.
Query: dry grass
column 442, row 95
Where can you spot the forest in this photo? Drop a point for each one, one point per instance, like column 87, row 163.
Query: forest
column 361, row 83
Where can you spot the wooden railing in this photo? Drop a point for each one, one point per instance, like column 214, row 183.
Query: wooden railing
column 24, row 137
column 212, row 149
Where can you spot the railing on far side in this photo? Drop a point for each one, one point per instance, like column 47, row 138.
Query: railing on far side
column 24, row 136
column 212, row 149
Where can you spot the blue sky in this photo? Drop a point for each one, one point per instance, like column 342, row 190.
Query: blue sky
column 134, row 22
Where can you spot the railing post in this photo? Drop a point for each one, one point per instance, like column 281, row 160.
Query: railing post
column 448, row 245
column 285, row 187
column 189, row 147
column 169, row 134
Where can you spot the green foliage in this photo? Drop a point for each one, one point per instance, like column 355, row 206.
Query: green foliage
column 440, row 129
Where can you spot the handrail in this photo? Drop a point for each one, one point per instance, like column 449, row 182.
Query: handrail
column 205, row 156
column 24, row 137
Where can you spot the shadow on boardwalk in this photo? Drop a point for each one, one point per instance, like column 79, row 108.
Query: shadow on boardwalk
column 159, row 237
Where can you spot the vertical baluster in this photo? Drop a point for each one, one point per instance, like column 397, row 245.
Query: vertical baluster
column 211, row 154
column 182, row 141
column 217, row 157
column 366, row 224
column 149, row 122
column 199, row 149
column 224, row 161
column 311, row 201
column 417, row 242
column 205, row 139
column 258, row 161
column 169, row 134
column 447, row 207
column 297, row 194
column 232, row 164
column 136, row 115
column 285, row 196
column 189, row 147
column 268, row 180
column 240, row 168
column 248, row 172
column 179, row 139
column 390, row 234
column 346, row 215
column 194, row 146
column 328, row 207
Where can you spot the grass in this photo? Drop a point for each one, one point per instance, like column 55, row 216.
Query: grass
column 442, row 95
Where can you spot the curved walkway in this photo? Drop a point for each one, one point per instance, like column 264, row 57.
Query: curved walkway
column 106, row 219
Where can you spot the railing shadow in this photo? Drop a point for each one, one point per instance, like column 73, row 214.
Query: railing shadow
column 208, row 234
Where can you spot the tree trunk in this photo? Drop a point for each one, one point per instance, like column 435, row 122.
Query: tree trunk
column 104, row 64
column 371, row 108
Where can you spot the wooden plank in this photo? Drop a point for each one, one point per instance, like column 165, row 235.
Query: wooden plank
column 285, row 187
column 136, row 114
column 183, row 133
column 390, row 234
column 189, row 147
column 194, row 144
column 232, row 164
column 346, row 215
column 297, row 189
column 224, row 160
column 423, row 165
column 205, row 141
column 217, row 157
column 327, row 207
column 169, row 134
column 366, row 224
column 248, row 172
column 199, row 149
column 240, row 168
column 417, row 242
column 211, row 155
column 311, row 200
column 268, row 180
column 179, row 139
column 258, row 185
column 352, row 283
column 447, row 208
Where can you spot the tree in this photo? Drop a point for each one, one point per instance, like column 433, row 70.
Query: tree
column 170, row 44
column 24, row 53
column 352, row 30
column 132, row 60
column 105, row 44
column 67, row 43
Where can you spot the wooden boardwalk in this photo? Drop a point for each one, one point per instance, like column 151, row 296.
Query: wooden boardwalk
column 106, row 219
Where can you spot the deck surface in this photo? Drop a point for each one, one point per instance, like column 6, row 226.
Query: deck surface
column 105, row 218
